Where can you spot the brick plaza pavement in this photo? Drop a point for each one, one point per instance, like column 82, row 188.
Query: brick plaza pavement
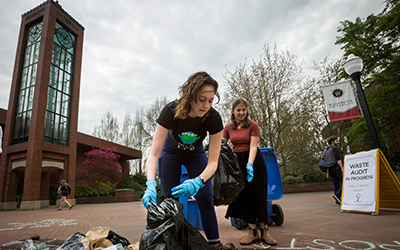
column 312, row 221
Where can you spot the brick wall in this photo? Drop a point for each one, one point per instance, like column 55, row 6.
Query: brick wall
column 309, row 187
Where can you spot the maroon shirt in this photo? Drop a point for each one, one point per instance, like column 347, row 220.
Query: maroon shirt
column 240, row 137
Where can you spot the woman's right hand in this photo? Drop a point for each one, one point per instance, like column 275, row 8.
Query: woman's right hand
column 150, row 193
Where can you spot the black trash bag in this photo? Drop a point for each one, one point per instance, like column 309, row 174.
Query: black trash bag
column 227, row 181
column 73, row 242
column 115, row 239
column 167, row 228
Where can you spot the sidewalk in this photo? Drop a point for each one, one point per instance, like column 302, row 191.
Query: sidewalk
column 312, row 220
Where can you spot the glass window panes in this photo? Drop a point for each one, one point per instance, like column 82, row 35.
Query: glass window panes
column 53, row 76
column 27, row 123
column 30, row 98
column 22, row 116
column 59, row 90
column 67, row 84
column 51, row 100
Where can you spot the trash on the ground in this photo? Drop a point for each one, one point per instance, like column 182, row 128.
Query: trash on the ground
column 73, row 242
column 103, row 237
column 167, row 228
column 95, row 235
column 133, row 246
column 40, row 244
column 115, row 239
column 112, row 247
column 97, row 238
column 103, row 243
column 35, row 237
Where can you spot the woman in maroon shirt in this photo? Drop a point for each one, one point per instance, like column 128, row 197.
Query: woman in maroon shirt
column 251, row 204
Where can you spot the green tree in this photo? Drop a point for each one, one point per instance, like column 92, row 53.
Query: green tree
column 275, row 89
column 376, row 40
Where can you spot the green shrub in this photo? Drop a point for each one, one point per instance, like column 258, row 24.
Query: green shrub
column 106, row 187
column 132, row 183
column 127, row 182
column 139, row 189
column 140, row 178
column 312, row 175
column 290, row 179
column 82, row 191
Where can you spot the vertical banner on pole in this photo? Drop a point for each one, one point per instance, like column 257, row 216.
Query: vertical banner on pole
column 340, row 101
column 369, row 183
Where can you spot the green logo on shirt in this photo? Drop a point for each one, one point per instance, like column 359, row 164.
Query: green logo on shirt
column 188, row 137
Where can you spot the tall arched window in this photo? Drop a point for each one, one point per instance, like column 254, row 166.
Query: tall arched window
column 58, row 106
column 27, row 82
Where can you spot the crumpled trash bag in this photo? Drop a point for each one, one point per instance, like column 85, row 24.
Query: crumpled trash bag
column 115, row 239
column 103, row 243
column 95, row 235
column 227, row 181
column 167, row 228
column 73, row 242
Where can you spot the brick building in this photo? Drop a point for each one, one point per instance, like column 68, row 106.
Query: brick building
column 40, row 124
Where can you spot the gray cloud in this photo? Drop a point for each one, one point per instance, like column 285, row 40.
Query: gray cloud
column 135, row 51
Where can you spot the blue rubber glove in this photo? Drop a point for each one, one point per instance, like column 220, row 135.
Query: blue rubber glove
column 187, row 188
column 250, row 173
column 150, row 193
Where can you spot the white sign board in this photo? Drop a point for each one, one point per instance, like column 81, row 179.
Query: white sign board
column 359, row 182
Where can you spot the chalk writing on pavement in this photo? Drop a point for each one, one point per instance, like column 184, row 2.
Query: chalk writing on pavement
column 44, row 223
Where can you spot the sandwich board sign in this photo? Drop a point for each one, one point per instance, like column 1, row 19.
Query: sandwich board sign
column 369, row 183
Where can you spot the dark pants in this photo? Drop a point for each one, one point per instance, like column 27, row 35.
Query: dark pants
column 336, row 177
column 169, row 170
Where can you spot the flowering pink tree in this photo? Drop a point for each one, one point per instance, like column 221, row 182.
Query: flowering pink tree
column 101, row 165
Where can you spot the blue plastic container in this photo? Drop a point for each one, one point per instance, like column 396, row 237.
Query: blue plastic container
column 190, row 209
column 274, row 185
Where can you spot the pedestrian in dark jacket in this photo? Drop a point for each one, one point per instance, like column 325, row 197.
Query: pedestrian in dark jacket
column 64, row 188
column 332, row 153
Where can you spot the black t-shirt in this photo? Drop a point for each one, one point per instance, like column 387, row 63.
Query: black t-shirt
column 189, row 133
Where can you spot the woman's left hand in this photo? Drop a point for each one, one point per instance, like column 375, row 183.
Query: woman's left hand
column 187, row 188
column 250, row 171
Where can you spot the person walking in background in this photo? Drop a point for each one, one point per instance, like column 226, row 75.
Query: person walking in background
column 251, row 204
column 65, row 190
column 332, row 154
column 178, row 140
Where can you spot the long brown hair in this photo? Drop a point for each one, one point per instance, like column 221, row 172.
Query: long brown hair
column 64, row 182
column 235, row 123
column 188, row 92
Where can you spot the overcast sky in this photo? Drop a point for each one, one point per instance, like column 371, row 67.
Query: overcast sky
column 136, row 51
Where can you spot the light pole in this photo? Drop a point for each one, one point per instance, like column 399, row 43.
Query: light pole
column 353, row 67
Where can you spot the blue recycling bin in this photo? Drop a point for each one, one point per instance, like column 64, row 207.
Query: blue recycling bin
column 274, row 190
column 190, row 208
